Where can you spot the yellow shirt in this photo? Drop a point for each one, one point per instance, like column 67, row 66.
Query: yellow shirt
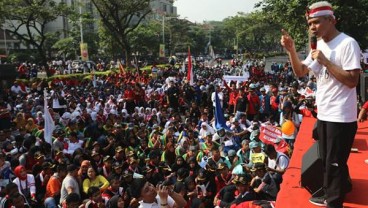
column 99, row 182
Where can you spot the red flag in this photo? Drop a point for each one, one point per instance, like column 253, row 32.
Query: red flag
column 121, row 68
column 190, row 69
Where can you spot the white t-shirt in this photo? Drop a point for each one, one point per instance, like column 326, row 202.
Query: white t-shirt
column 16, row 89
column 336, row 102
column 55, row 101
column 73, row 146
column 281, row 162
column 220, row 96
column 69, row 181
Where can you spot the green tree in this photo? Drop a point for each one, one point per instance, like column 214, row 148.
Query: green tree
column 351, row 18
column 121, row 17
column 145, row 39
column 218, row 40
column 66, row 47
column 27, row 20
column 180, row 35
column 198, row 40
column 252, row 33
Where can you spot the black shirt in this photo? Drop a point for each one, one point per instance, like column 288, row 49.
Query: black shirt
column 241, row 104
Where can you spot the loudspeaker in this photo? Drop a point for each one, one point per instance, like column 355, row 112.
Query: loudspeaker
column 312, row 170
column 8, row 71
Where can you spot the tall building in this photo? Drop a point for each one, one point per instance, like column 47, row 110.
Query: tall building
column 164, row 7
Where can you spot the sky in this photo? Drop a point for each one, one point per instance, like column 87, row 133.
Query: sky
column 207, row 10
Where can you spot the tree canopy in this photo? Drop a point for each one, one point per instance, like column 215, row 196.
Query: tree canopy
column 127, row 26
column 121, row 17
column 27, row 20
column 351, row 17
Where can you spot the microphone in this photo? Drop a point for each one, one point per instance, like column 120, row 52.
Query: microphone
column 313, row 42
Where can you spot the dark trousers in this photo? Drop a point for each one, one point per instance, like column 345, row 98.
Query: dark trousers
column 335, row 142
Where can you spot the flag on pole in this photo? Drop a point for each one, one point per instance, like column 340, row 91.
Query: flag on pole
column 162, row 51
column 94, row 81
column 207, row 46
column 212, row 55
column 190, row 74
column 84, row 51
column 49, row 122
column 220, row 122
column 121, row 68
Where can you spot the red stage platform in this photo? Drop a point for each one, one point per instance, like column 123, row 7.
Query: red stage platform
column 292, row 195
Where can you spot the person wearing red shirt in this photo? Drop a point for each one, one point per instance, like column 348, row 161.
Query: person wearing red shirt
column 23, row 71
column 233, row 94
column 254, row 103
column 129, row 99
column 274, row 101
column 139, row 95
column 223, row 178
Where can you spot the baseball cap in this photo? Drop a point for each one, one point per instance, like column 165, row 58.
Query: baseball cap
column 38, row 155
column 117, row 165
column 118, row 149
column 254, row 144
column 243, row 179
column 107, row 158
column 221, row 166
column 231, row 153
column 201, row 176
column 47, row 165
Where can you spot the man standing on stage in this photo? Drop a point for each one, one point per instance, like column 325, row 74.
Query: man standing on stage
column 336, row 63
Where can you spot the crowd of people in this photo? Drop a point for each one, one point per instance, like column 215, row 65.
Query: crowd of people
column 130, row 139
column 134, row 139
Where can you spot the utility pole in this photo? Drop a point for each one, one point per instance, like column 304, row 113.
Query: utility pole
column 163, row 29
column 80, row 20
column 5, row 42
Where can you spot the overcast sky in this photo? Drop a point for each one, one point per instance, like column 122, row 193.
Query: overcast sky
column 206, row 10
